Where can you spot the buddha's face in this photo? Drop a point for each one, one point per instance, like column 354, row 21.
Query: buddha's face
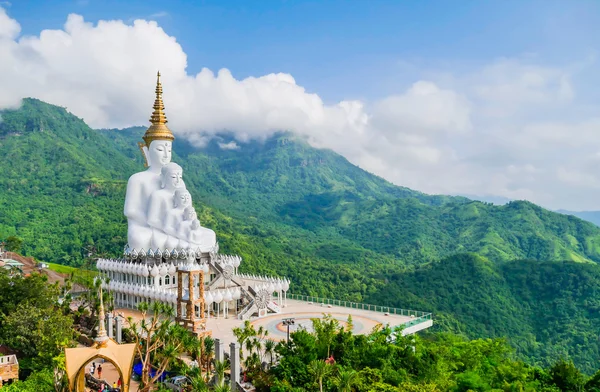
column 195, row 224
column 174, row 179
column 182, row 199
column 160, row 152
column 191, row 214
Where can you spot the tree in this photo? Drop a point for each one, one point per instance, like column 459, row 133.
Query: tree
column 345, row 379
column 319, row 369
column 33, row 289
column 566, row 376
column 593, row 384
column 41, row 381
column 197, row 381
column 37, row 333
column 221, row 388
column 13, row 243
column 349, row 324
column 159, row 341
column 270, row 350
column 200, row 348
column 220, row 367
column 325, row 330
column 253, row 341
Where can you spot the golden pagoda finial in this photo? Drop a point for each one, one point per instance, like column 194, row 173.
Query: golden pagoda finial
column 158, row 130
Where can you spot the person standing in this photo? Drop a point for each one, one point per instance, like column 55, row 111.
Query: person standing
column 100, row 372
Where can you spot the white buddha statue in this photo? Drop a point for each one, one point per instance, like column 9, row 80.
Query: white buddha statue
column 202, row 237
column 157, row 153
column 139, row 189
column 157, row 206
column 181, row 200
column 161, row 202
column 192, row 234
column 185, row 226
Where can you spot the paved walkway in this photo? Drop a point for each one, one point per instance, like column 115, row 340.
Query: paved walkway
column 363, row 320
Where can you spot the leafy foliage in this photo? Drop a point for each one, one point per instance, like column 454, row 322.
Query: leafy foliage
column 439, row 362
column 31, row 320
column 547, row 310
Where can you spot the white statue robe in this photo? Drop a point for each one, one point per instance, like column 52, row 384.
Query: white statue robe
column 140, row 187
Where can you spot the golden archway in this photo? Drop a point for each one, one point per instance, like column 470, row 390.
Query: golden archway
column 120, row 355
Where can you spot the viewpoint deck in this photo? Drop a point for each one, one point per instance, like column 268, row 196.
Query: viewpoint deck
column 364, row 318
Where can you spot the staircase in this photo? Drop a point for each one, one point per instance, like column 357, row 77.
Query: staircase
column 248, row 311
column 219, row 281
column 273, row 307
column 251, row 307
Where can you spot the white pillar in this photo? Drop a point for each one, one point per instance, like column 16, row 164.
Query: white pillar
column 234, row 358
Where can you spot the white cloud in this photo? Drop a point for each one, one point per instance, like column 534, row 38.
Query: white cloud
column 9, row 28
column 160, row 14
column 498, row 130
column 232, row 145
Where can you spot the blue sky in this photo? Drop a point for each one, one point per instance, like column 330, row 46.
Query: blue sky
column 346, row 49
column 490, row 98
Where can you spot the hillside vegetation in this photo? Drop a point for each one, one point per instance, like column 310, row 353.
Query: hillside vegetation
column 334, row 229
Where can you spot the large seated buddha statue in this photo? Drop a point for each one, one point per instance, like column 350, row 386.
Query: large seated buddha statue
column 156, row 198
column 156, row 149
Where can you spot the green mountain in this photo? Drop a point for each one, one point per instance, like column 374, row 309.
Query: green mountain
column 334, row 229
column 548, row 310
column 306, row 191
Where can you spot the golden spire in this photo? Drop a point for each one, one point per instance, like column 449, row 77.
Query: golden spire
column 158, row 130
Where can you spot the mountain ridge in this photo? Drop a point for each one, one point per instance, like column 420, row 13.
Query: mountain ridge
column 291, row 187
column 337, row 231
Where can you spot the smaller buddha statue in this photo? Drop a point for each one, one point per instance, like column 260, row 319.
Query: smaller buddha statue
column 181, row 200
column 192, row 234
column 202, row 237
column 161, row 202
column 185, row 226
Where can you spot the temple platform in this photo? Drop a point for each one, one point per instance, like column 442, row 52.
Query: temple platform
column 364, row 318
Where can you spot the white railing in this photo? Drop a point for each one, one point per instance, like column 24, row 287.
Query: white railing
column 418, row 316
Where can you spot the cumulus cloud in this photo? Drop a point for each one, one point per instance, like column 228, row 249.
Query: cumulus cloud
column 9, row 28
column 486, row 132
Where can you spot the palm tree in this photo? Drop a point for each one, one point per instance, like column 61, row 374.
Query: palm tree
column 197, row 382
column 209, row 352
column 270, row 349
column 220, row 367
column 345, row 379
column 199, row 385
column 221, row 388
column 319, row 370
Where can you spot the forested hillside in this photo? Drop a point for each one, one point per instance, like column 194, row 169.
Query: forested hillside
column 334, row 229
column 547, row 310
